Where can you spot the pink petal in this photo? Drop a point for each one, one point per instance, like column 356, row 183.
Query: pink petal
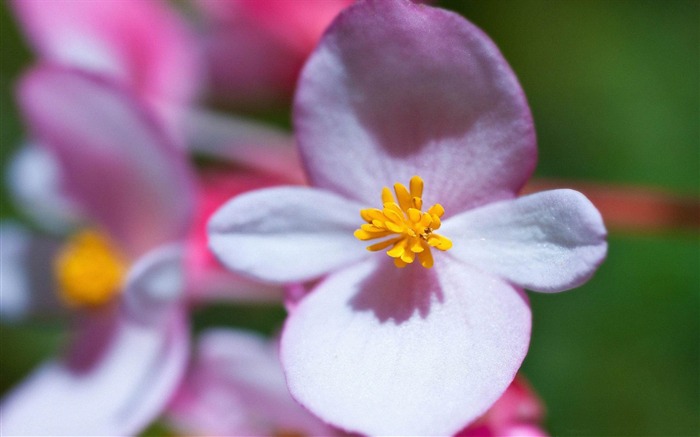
column 256, row 48
column 143, row 44
column 383, row 351
column 519, row 404
column 295, row 23
column 286, row 234
column 523, row 430
column 117, row 161
column 518, row 410
column 550, row 241
column 116, row 379
column 236, row 387
column 397, row 89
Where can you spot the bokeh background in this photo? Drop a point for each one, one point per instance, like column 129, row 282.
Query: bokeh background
column 615, row 91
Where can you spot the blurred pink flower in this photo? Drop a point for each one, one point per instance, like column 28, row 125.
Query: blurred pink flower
column 394, row 90
column 129, row 178
column 517, row 413
column 143, row 45
column 255, row 48
column 132, row 276
column 147, row 47
column 235, row 387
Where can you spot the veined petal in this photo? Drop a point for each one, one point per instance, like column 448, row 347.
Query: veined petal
column 549, row 241
column 116, row 379
column 286, row 234
column 386, row 351
column 143, row 44
column 399, row 89
column 118, row 162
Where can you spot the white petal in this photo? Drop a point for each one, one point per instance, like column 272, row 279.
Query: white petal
column 35, row 179
column 549, row 241
column 155, row 281
column 14, row 293
column 27, row 281
column 386, row 351
column 286, row 234
column 116, row 379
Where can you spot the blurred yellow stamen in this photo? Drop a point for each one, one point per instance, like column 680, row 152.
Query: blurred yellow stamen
column 89, row 270
column 410, row 230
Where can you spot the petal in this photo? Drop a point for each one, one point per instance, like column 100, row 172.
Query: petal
column 236, row 387
column 117, row 161
column 517, row 410
column 207, row 279
column 286, row 234
column 116, row 379
column 143, row 44
column 14, row 299
column 255, row 48
column 35, row 180
column 26, row 274
column 397, row 89
column 519, row 404
column 549, row 241
column 154, row 282
column 243, row 142
column 386, row 351
column 247, row 65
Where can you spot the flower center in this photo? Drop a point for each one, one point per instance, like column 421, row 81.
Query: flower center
column 89, row 270
column 410, row 231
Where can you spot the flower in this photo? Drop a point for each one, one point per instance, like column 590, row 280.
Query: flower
column 235, row 387
column 123, row 275
column 131, row 276
column 518, row 412
column 394, row 90
column 254, row 49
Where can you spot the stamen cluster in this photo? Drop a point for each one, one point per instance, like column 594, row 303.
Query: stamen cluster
column 411, row 230
column 89, row 270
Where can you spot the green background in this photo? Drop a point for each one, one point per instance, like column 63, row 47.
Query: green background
column 614, row 88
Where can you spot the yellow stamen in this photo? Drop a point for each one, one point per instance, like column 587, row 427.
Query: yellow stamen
column 89, row 271
column 411, row 230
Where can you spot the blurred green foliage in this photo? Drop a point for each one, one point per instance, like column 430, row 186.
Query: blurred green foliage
column 615, row 91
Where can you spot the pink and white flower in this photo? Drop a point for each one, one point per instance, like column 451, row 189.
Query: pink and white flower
column 131, row 342
column 235, row 386
column 132, row 276
column 394, row 90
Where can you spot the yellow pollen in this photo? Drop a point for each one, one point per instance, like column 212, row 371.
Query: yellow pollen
column 89, row 271
column 410, row 231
